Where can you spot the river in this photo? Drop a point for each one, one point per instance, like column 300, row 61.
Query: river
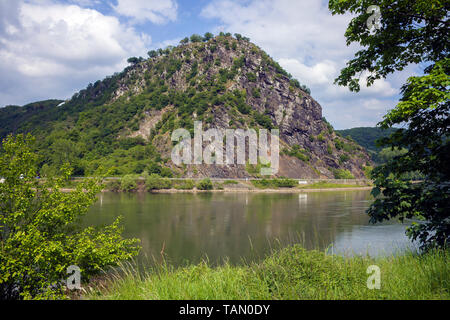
column 190, row 227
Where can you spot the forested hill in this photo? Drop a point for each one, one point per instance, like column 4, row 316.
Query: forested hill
column 367, row 136
column 123, row 123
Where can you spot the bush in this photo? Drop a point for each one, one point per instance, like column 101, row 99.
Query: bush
column 285, row 183
column 297, row 152
column 114, row 186
column 128, row 183
column 367, row 171
column 342, row 174
column 230, row 182
column 329, row 149
column 251, row 77
column 40, row 234
column 185, row 185
column 274, row 183
column 156, row 182
column 205, row 184
column 344, row 158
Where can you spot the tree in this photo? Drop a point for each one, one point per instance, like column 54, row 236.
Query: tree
column 205, row 184
column 410, row 32
column 196, row 38
column 152, row 54
column 133, row 60
column 208, row 36
column 185, row 41
column 40, row 236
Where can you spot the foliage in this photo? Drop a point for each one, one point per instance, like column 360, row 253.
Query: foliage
column 230, row 182
column 196, row 38
column 290, row 273
column 96, row 130
column 187, row 184
column 298, row 152
column 344, row 158
column 368, row 171
column 205, row 184
column 128, row 183
column 156, row 182
column 40, row 236
column 367, row 137
column 329, row 126
column 274, row 183
column 342, row 174
column 410, row 32
column 425, row 106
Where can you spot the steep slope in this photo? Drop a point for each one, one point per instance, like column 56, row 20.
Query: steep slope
column 367, row 137
column 124, row 122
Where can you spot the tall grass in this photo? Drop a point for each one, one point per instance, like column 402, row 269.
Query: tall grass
column 290, row 273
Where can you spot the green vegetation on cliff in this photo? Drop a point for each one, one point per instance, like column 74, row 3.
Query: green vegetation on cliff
column 122, row 124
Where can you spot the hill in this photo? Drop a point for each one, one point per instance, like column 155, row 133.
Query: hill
column 367, row 137
column 124, row 122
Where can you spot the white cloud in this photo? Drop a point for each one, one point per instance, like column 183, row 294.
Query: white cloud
column 310, row 44
column 320, row 73
column 60, row 48
column 156, row 11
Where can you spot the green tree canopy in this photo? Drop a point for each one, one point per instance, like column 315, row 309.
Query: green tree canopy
column 208, row 36
column 412, row 31
column 40, row 236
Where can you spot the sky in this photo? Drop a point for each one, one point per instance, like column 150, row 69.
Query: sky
column 51, row 49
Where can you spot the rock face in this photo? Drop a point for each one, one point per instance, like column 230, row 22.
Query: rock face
column 309, row 146
column 124, row 122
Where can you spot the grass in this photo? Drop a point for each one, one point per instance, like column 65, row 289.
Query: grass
column 290, row 273
column 274, row 183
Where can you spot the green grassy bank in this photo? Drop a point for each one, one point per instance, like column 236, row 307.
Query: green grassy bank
column 291, row 273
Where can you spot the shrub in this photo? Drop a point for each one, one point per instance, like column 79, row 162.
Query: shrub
column 367, row 171
column 185, row 185
column 256, row 93
column 344, row 158
column 114, row 186
column 40, row 234
column 128, row 183
column 329, row 149
column 230, row 182
column 156, row 182
column 320, row 137
column 274, row 183
column 342, row 174
column 251, row 77
column 297, row 152
column 205, row 184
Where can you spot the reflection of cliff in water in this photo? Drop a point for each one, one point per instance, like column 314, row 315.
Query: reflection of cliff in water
column 234, row 225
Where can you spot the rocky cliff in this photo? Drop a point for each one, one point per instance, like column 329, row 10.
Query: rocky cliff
column 225, row 83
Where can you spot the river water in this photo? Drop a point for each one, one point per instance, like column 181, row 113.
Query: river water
column 190, row 227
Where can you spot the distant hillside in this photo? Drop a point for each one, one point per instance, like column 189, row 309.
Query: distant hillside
column 367, row 137
column 28, row 117
column 124, row 122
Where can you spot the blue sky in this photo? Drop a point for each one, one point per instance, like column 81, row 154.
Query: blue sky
column 52, row 49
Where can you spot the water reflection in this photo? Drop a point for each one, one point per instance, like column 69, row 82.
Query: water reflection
column 244, row 225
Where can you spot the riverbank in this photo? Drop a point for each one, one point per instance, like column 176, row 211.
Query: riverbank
column 281, row 190
column 228, row 185
column 291, row 273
